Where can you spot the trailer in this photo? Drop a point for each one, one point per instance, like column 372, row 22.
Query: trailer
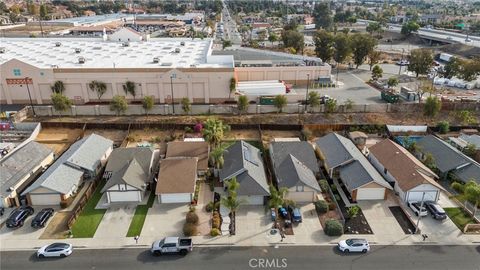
column 263, row 88
column 445, row 57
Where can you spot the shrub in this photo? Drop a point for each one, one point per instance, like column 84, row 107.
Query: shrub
column 216, row 222
column 337, row 197
column 209, row 207
column 189, row 229
column 188, row 130
column 443, row 127
column 192, row 217
column 321, row 206
column 458, row 187
column 323, row 185
column 307, row 133
column 333, row 187
column 333, row 228
column 353, row 211
column 332, row 206
column 214, row 232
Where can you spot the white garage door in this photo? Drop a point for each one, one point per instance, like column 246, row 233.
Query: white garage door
column 45, row 199
column 175, row 198
column 251, row 200
column 305, row 196
column 127, row 196
column 417, row 196
column 370, row 194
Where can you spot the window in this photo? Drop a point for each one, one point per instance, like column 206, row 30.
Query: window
column 17, row 72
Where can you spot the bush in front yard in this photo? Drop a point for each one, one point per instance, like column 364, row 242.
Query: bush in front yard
column 333, row 187
column 192, row 217
column 332, row 206
column 321, row 206
column 209, row 207
column 189, row 229
column 323, row 185
column 215, row 232
column 333, row 228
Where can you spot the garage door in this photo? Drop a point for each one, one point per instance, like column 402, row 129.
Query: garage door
column 127, row 196
column 370, row 194
column 175, row 198
column 251, row 200
column 306, row 196
column 417, row 196
column 45, row 199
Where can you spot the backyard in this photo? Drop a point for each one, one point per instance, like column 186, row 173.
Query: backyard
column 140, row 215
column 88, row 221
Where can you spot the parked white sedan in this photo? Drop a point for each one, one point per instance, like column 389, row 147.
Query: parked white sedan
column 354, row 245
column 55, row 250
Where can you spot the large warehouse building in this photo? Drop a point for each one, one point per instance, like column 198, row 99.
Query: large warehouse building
column 161, row 68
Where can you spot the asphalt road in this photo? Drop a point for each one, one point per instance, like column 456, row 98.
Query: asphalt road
column 380, row 257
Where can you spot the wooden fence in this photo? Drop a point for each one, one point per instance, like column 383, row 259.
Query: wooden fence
column 82, row 202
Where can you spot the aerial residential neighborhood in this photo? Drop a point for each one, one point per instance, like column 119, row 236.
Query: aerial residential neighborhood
column 141, row 134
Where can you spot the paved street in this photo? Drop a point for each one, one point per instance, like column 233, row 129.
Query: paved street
column 380, row 257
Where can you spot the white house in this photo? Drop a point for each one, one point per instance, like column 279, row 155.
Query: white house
column 410, row 178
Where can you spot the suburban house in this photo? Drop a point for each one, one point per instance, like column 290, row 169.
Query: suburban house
column 464, row 140
column 244, row 161
column 176, row 180
column 83, row 160
column 295, row 167
column 449, row 160
column 128, row 173
column 199, row 150
column 19, row 169
column 410, row 178
column 343, row 160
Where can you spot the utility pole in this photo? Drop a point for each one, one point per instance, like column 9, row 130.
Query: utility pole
column 420, row 213
column 401, row 63
column 30, row 97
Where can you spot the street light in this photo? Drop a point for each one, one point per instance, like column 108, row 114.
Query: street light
column 171, row 89
column 306, row 94
column 30, row 97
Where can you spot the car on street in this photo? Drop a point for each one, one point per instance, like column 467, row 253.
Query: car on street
column 55, row 250
column 418, row 209
column 42, row 217
column 403, row 62
column 353, row 245
column 172, row 245
column 18, row 216
column 324, row 99
column 436, row 210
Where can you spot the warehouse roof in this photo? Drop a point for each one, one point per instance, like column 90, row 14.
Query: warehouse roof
column 44, row 53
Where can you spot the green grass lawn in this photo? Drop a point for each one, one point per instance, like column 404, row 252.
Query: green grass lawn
column 139, row 217
column 459, row 217
column 88, row 221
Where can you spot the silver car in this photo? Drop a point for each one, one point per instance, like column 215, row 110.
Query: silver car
column 55, row 250
column 353, row 245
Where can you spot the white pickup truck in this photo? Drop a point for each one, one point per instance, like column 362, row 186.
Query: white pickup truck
column 170, row 245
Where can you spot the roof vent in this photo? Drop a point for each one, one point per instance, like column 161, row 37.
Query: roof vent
column 156, row 60
column 58, row 44
column 182, row 43
column 177, row 50
column 81, row 60
column 126, row 44
column 2, row 49
column 78, row 50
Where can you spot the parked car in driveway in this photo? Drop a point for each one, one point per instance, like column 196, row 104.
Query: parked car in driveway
column 354, row 245
column 55, row 250
column 295, row 214
column 436, row 210
column 172, row 245
column 282, row 212
column 419, row 211
column 42, row 217
column 18, row 216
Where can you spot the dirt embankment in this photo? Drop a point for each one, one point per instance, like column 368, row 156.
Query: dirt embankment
column 412, row 118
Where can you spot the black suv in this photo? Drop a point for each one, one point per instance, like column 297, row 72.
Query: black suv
column 436, row 210
column 42, row 217
column 18, row 216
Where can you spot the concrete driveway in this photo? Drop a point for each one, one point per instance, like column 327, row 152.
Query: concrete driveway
column 381, row 220
column 309, row 230
column 25, row 232
column 252, row 225
column 165, row 220
column 115, row 222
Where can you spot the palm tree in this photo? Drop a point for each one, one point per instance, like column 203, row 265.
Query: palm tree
column 129, row 88
column 216, row 157
column 58, row 87
column 98, row 87
column 214, row 131
column 231, row 202
column 233, row 184
column 277, row 197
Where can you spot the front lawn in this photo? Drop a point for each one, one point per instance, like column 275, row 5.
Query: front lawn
column 459, row 217
column 88, row 221
column 139, row 217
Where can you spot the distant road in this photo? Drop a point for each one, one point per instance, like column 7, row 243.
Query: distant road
column 231, row 258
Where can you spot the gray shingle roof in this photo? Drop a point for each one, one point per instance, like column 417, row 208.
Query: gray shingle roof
column 469, row 172
column 292, row 163
column 357, row 171
column 446, row 156
column 244, row 161
column 129, row 166
column 20, row 163
column 61, row 176
column 473, row 139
